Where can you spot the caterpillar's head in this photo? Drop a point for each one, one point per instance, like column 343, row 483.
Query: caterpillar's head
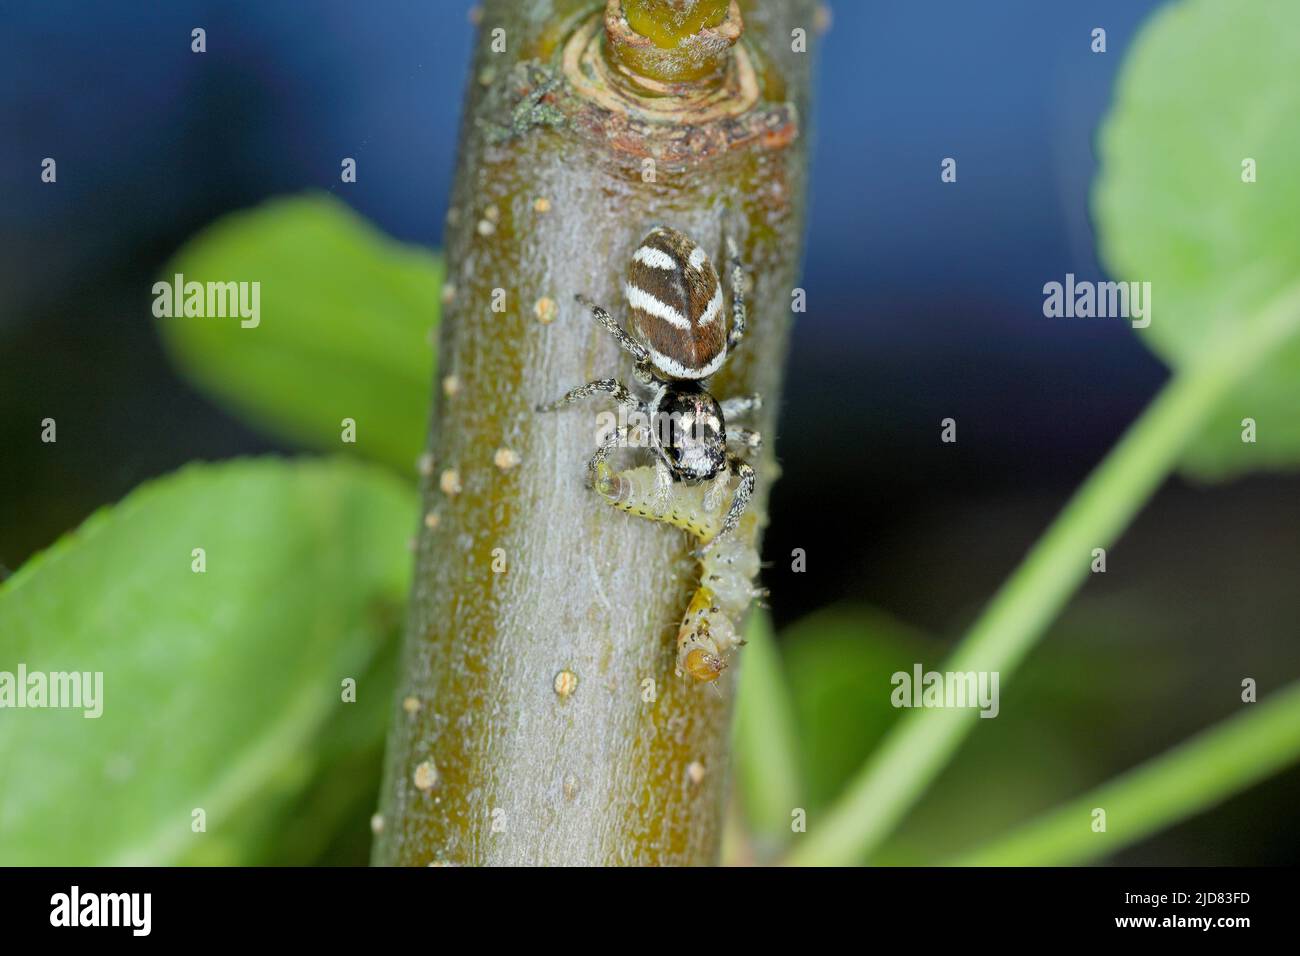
column 703, row 666
column 698, row 652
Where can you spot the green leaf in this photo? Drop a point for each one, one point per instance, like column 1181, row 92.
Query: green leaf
column 1207, row 86
column 343, row 331
column 767, row 766
column 839, row 663
column 216, row 685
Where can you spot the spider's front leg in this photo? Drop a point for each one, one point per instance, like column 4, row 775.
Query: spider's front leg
column 744, row 491
column 598, row 471
column 663, row 487
column 737, row 282
column 718, row 489
column 619, row 392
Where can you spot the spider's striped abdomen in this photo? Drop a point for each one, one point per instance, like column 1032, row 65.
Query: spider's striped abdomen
column 676, row 305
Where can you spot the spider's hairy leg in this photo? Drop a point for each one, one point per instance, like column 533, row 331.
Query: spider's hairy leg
column 751, row 439
column 598, row 470
column 611, row 386
column 663, row 486
column 741, row 405
column 737, row 283
column 717, row 490
column 744, row 491
column 628, row 344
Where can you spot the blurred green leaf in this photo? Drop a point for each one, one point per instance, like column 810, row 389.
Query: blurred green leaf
column 345, row 320
column 1207, row 86
column 321, row 815
column 217, row 685
column 765, row 745
column 838, row 663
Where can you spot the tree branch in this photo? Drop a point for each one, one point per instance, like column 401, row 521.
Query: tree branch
column 540, row 720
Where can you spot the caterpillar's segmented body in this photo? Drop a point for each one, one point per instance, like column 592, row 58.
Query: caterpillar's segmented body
column 708, row 630
column 693, row 508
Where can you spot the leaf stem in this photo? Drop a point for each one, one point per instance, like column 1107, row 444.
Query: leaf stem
column 767, row 764
column 922, row 742
column 1198, row 773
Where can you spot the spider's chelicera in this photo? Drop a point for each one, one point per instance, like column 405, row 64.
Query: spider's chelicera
column 678, row 339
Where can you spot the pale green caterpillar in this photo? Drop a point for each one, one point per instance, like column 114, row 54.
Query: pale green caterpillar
column 727, row 569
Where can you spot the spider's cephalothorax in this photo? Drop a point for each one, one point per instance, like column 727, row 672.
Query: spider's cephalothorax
column 690, row 429
column 679, row 338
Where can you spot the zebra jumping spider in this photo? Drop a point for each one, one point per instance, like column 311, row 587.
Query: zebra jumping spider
column 678, row 340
